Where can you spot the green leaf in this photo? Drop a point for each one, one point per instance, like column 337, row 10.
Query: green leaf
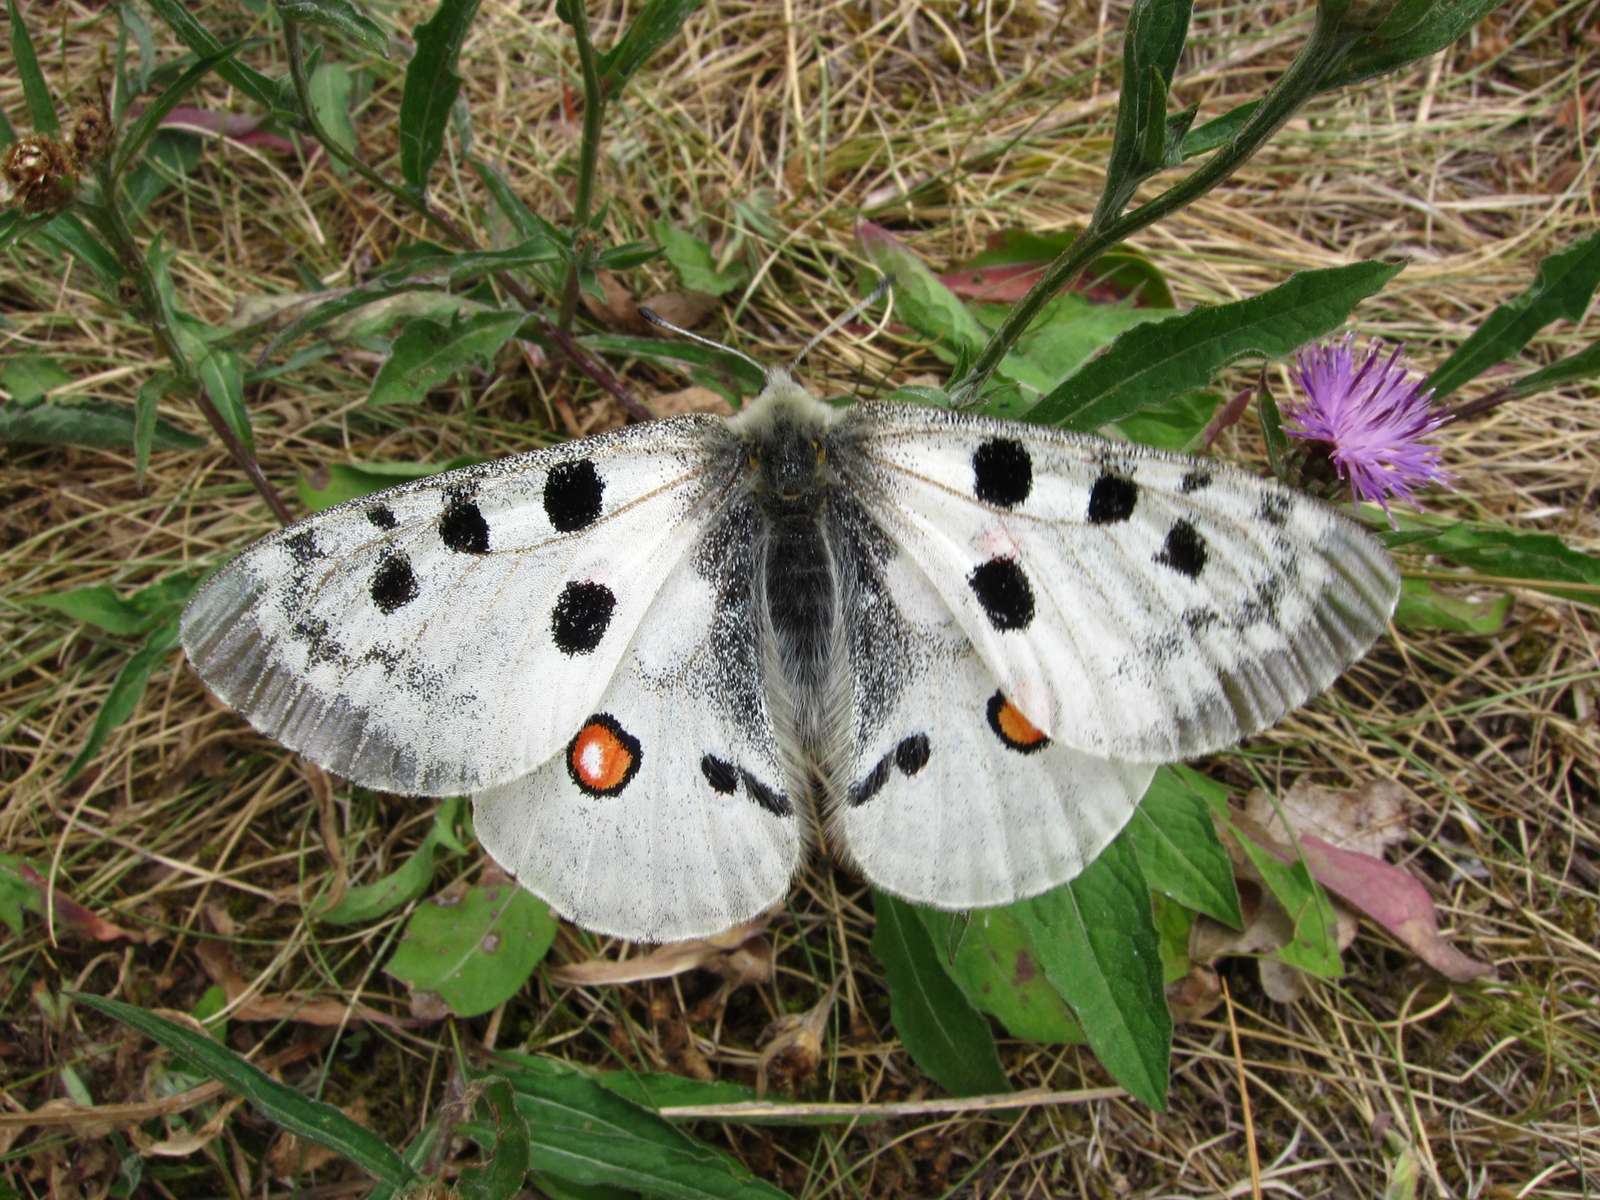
column 1218, row 131
column 18, row 893
column 1314, row 948
column 920, row 299
column 345, row 16
column 1277, row 441
column 431, row 88
column 663, row 350
column 1585, row 364
column 585, row 1135
column 428, row 353
column 147, row 422
column 696, row 266
column 126, row 692
column 66, row 232
column 282, row 1105
column 527, row 223
column 502, row 1176
column 1178, row 851
column 1564, row 288
column 329, row 91
column 475, row 949
column 1097, row 944
column 1540, row 561
column 401, row 886
column 177, row 14
column 1153, row 363
column 1173, row 425
column 171, row 157
column 99, row 606
column 134, row 139
column 1412, row 31
column 657, row 24
column 351, row 481
column 626, row 256
column 35, row 91
column 997, row 969
column 1423, row 606
column 1151, row 45
column 1069, row 330
column 940, row 1030
column 29, row 376
column 96, row 423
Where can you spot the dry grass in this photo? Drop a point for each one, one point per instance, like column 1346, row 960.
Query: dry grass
column 782, row 128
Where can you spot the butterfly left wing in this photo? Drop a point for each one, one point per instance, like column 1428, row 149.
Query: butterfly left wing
column 667, row 816
column 1137, row 605
column 948, row 795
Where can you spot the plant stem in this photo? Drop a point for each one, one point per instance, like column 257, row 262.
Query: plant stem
column 1323, row 50
column 106, row 216
column 594, row 107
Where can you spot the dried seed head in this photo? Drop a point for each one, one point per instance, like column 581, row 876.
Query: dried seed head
column 40, row 172
column 91, row 134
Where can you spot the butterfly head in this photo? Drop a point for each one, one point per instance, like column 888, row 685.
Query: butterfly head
column 784, row 432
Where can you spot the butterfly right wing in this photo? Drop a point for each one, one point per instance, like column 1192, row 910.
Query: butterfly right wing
column 668, row 815
column 451, row 633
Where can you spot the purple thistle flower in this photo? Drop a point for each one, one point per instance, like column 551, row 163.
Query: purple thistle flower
column 1371, row 418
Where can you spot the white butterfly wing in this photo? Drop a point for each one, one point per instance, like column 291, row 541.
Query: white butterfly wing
column 667, row 816
column 1136, row 605
column 950, row 797
column 451, row 633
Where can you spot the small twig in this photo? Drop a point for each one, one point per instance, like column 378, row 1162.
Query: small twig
column 1032, row 1098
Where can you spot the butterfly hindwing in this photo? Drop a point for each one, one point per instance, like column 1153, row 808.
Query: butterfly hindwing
column 451, row 633
column 950, row 797
column 668, row 815
column 1136, row 605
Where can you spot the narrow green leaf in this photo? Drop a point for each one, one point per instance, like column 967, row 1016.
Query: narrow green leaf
column 99, row 424
column 329, row 90
column 126, row 691
column 940, row 1030
column 427, row 353
column 997, row 969
column 920, row 299
column 1156, row 31
column 502, row 1176
column 476, row 949
column 1314, row 947
column 1155, row 362
column 170, row 158
column 99, row 606
column 1097, row 945
column 345, row 16
column 1565, row 286
column 66, row 232
column 35, row 91
column 367, row 902
column 1178, row 851
column 431, row 88
column 1412, row 31
column 584, row 1135
column 177, row 15
column 1575, row 368
column 1068, row 331
column 664, row 350
column 1277, row 441
column 147, row 421
column 1423, row 606
column 282, row 1105
column 1540, row 561
column 1217, row 132
column 696, row 266
column 133, row 141
column 527, row 223
column 29, row 377
column 657, row 24
column 1173, row 425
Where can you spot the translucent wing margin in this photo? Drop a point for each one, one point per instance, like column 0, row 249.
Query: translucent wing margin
column 451, row 633
column 1135, row 605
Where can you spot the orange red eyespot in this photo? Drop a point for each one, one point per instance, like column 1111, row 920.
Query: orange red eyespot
column 602, row 757
column 1011, row 727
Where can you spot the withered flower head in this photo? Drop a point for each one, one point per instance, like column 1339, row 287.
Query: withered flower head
column 41, row 174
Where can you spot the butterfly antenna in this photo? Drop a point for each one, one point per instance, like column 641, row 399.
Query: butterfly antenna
column 876, row 294
column 661, row 322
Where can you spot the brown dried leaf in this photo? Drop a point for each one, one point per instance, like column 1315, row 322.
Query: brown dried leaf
column 218, row 962
column 795, row 1050
column 685, row 309
column 689, row 400
column 71, row 915
column 618, row 309
column 675, row 958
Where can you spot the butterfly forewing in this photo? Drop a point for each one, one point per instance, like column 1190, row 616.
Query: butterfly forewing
column 1135, row 605
column 451, row 633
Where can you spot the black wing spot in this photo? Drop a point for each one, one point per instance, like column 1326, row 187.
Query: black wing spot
column 869, row 787
column 1184, row 550
column 581, row 616
column 774, row 802
column 394, row 584
column 720, row 775
column 462, row 526
column 382, row 516
column 1111, row 499
column 1002, row 588
column 1194, row 481
column 1002, row 472
column 572, row 495
column 1274, row 509
column 1198, row 620
column 912, row 754
column 303, row 548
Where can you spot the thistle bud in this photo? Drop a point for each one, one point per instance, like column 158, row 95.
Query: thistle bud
column 91, row 135
column 41, row 173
